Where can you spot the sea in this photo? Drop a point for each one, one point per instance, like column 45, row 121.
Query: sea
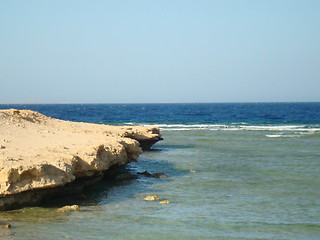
column 231, row 171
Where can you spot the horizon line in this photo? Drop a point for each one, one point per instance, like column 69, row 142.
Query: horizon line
column 88, row 103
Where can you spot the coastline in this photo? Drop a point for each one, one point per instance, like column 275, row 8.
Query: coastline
column 225, row 178
column 42, row 157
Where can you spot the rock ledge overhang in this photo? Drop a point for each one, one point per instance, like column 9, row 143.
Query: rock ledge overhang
column 40, row 154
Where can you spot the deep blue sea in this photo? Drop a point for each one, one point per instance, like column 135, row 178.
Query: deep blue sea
column 233, row 171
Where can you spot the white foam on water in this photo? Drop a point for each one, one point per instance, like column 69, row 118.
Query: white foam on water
column 282, row 136
column 129, row 124
column 295, row 130
column 274, row 136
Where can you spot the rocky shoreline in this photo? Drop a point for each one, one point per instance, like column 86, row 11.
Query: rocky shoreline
column 42, row 157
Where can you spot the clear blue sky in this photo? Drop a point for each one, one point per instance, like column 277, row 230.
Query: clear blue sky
column 114, row 51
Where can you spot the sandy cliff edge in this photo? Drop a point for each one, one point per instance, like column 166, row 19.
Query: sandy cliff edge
column 38, row 152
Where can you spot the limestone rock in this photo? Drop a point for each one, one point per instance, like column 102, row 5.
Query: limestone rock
column 69, row 208
column 151, row 198
column 39, row 152
column 164, row 202
column 6, row 226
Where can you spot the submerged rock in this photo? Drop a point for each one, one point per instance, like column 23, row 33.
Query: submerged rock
column 154, row 175
column 164, row 202
column 125, row 176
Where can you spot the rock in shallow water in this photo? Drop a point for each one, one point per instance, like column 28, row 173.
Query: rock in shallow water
column 153, row 175
column 69, row 208
column 6, row 226
column 151, row 198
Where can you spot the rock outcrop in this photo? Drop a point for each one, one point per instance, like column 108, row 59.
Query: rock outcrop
column 41, row 156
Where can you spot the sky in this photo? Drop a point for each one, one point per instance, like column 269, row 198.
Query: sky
column 147, row 51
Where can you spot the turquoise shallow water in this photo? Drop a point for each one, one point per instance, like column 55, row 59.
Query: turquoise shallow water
column 222, row 183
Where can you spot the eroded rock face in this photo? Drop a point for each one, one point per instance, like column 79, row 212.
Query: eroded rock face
column 39, row 152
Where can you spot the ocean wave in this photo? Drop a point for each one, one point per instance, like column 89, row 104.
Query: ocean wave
column 283, row 136
column 294, row 129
